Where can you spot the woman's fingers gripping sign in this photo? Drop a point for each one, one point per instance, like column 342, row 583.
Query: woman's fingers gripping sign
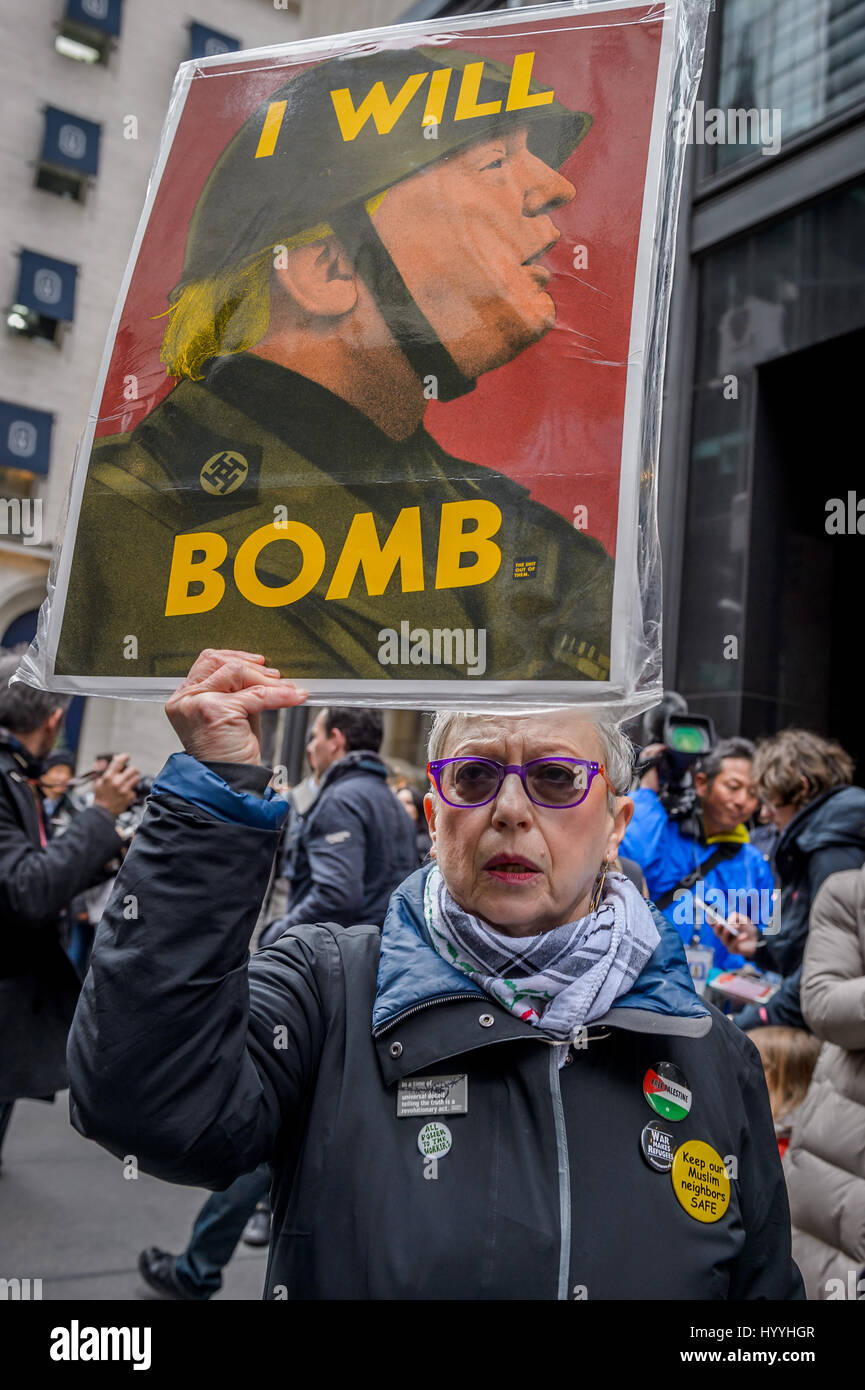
column 216, row 711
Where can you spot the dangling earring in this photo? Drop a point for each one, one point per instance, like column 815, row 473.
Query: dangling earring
column 599, row 887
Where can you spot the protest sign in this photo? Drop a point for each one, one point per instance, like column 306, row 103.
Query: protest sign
column 381, row 395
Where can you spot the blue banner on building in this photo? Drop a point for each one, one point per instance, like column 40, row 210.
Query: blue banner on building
column 205, row 43
column 104, row 15
column 25, row 438
column 71, row 141
column 48, row 286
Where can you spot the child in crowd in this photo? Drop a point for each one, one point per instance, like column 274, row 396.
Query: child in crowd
column 789, row 1056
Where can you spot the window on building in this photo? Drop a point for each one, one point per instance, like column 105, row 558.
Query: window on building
column 25, row 440
column 801, row 59
column 70, row 154
column 25, row 456
column 88, row 29
column 63, row 185
column 205, row 43
column 14, row 482
column 21, row 630
column 45, row 299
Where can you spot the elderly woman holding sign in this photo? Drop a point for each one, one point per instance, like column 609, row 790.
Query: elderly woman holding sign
column 508, row 1089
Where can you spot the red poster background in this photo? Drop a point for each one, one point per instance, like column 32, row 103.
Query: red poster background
column 552, row 418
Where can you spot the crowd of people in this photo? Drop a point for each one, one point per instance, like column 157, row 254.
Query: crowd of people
column 807, row 940
column 349, row 1098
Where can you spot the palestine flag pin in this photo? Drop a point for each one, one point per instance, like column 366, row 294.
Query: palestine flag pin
column 667, row 1091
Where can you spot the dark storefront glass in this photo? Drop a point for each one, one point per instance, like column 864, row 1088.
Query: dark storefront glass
column 765, row 299
column 804, row 58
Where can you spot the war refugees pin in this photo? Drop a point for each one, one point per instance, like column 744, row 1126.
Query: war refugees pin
column 658, row 1146
column 667, row 1091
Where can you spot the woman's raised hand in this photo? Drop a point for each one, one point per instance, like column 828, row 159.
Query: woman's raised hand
column 216, row 711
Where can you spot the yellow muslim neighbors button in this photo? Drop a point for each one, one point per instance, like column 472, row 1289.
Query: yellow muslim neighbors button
column 700, row 1180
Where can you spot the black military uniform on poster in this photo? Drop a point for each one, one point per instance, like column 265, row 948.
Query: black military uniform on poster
column 294, row 443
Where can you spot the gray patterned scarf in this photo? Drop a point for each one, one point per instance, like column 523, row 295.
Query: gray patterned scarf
column 561, row 979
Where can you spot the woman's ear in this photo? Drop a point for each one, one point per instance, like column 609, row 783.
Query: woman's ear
column 624, row 810
column 320, row 278
column 429, row 808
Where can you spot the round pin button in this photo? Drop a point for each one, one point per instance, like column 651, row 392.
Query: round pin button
column 658, row 1146
column 666, row 1090
column 700, row 1180
column 434, row 1140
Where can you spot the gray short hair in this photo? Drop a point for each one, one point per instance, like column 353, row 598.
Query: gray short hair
column 22, row 707
column 617, row 747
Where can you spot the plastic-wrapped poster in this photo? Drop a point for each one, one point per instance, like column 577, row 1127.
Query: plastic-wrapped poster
column 381, row 395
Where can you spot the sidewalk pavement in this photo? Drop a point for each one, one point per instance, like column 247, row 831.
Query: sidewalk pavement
column 70, row 1218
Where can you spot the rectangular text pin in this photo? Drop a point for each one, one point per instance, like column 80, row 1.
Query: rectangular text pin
column 432, row 1095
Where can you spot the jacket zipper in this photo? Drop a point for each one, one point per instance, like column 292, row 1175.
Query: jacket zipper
column 383, row 1028
column 564, row 1172
column 564, row 1177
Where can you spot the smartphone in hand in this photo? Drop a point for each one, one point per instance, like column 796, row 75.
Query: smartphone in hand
column 715, row 918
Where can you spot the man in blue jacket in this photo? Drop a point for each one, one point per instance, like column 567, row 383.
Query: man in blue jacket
column 706, row 856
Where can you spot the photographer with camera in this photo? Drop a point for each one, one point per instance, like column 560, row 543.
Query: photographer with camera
column 806, row 780
column 688, row 832
column 39, row 877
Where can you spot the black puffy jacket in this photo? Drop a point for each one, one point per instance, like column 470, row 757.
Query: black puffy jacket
column 205, row 1064
column 347, row 854
column 38, row 984
column 825, row 837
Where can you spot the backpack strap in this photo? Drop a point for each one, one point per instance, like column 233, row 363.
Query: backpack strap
column 726, row 850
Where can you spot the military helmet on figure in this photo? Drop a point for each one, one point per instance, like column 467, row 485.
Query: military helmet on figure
column 290, row 169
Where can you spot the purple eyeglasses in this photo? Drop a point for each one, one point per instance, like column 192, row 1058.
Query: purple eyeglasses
column 556, row 783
